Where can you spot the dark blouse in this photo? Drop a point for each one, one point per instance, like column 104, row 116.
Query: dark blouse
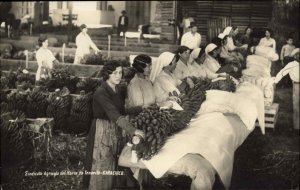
column 110, row 105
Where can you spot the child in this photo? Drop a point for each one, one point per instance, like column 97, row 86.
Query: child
column 285, row 55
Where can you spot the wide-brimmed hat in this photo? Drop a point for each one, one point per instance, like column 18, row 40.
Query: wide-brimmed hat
column 123, row 12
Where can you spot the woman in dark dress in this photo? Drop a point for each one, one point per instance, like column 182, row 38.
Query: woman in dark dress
column 105, row 140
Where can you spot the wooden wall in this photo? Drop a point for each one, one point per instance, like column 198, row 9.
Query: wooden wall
column 242, row 13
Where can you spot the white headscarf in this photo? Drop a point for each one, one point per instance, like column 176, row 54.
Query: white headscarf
column 163, row 60
column 194, row 54
column 227, row 30
column 221, row 36
column 210, row 47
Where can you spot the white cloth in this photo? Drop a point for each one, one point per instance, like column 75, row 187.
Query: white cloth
column 190, row 40
column 210, row 135
column 292, row 69
column 44, row 59
column 211, row 63
column 163, row 85
column 228, row 102
column 266, row 52
column 83, row 43
column 255, row 94
column 268, row 43
column 163, row 60
column 258, row 61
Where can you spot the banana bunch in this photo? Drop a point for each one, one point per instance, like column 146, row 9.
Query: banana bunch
column 93, row 59
column 225, row 85
column 80, row 114
column 12, row 78
column 156, row 125
column 17, row 100
column 37, row 104
column 190, row 102
column 71, row 84
column 88, row 84
column 16, row 138
column 3, row 96
column 19, row 55
column 25, row 77
column 59, row 109
column 59, row 76
column 4, row 83
column 81, row 108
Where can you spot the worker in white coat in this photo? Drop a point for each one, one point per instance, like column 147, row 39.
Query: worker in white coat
column 84, row 43
column 292, row 69
column 191, row 39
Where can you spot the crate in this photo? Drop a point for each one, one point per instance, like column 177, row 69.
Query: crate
column 42, row 127
column 271, row 115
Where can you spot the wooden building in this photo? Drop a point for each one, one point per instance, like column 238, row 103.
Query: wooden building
column 212, row 16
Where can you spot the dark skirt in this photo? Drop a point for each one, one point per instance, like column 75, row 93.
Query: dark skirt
column 105, row 143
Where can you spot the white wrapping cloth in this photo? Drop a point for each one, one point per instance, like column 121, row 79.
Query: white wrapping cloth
column 210, row 135
column 228, row 102
column 266, row 52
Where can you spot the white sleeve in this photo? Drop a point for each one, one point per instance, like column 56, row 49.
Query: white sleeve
column 38, row 58
column 92, row 44
column 199, row 40
column 284, row 71
column 52, row 58
column 260, row 42
column 274, row 44
column 183, row 40
column 77, row 40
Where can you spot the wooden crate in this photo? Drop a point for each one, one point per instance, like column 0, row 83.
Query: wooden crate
column 271, row 115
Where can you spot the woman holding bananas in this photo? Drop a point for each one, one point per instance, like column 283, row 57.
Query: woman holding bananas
column 105, row 137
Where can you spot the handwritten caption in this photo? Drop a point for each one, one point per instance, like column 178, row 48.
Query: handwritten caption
column 64, row 173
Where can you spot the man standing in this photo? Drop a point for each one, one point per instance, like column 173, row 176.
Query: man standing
column 122, row 24
column 292, row 69
column 186, row 22
column 83, row 43
column 191, row 39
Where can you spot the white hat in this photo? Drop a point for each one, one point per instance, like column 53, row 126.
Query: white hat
column 294, row 52
column 227, row 30
column 221, row 36
column 210, row 47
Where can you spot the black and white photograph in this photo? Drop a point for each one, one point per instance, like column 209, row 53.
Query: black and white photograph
column 149, row 95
